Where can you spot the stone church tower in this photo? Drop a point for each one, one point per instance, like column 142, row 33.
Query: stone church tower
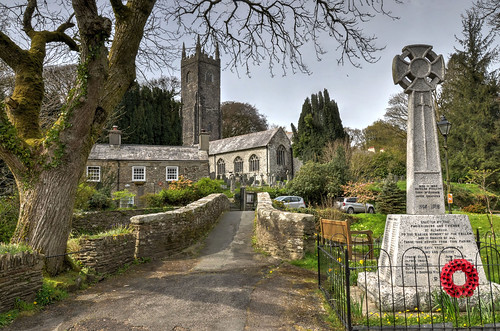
column 200, row 94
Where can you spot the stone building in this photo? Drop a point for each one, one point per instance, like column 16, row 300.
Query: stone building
column 265, row 155
column 200, row 95
column 143, row 169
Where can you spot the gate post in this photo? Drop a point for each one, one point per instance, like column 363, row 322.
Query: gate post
column 243, row 198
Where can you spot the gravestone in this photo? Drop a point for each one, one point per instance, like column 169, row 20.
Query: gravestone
column 418, row 244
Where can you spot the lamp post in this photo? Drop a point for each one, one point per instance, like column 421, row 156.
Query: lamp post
column 444, row 127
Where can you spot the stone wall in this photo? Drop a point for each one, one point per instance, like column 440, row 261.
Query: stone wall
column 20, row 277
column 175, row 230
column 107, row 254
column 283, row 234
column 100, row 221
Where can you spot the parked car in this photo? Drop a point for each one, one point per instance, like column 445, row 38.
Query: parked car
column 291, row 201
column 351, row 206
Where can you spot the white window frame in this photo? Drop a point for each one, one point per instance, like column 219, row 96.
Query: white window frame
column 169, row 179
column 91, row 174
column 127, row 202
column 137, row 178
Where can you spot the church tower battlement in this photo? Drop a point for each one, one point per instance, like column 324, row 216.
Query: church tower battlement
column 200, row 94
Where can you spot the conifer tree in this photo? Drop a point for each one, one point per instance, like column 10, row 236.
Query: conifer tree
column 319, row 123
column 469, row 100
column 391, row 199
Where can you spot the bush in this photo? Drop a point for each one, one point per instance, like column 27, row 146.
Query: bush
column 207, row 186
column 89, row 198
column 83, row 195
column 475, row 209
column 100, row 201
column 9, row 212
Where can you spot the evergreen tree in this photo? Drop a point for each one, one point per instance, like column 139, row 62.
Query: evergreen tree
column 149, row 115
column 391, row 199
column 469, row 100
column 319, row 123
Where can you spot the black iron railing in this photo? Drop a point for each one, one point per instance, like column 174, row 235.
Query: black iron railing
column 365, row 295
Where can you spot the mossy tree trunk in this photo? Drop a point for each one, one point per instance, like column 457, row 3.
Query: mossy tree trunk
column 47, row 165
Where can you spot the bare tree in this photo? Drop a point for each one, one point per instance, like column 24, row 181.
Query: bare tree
column 489, row 10
column 397, row 112
column 107, row 40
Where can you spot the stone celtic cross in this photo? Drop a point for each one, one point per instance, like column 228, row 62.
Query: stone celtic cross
column 418, row 70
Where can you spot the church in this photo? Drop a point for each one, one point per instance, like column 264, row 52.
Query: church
column 264, row 156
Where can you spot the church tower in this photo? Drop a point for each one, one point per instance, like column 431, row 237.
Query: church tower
column 200, row 94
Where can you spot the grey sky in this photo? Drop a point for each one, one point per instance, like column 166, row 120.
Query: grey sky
column 361, row 94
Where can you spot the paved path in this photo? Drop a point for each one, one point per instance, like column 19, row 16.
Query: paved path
column 227, row 287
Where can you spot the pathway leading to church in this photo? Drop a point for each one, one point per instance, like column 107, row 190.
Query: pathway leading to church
column 227, row 287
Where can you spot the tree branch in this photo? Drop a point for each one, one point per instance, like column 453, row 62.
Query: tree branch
column 10, row 52
column 27, row 17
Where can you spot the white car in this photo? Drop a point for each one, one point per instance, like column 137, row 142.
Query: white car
column 291, row 201
column 351, row 206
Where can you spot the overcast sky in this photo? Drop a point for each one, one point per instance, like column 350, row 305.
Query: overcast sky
column 361, row 94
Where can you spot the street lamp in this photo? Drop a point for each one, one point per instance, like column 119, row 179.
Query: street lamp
column 444, row 127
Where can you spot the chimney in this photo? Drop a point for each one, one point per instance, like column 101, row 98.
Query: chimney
column 115, row 137
column 204, row 140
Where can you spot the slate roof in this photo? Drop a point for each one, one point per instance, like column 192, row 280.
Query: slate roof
column 147, row 153
column 238, row 143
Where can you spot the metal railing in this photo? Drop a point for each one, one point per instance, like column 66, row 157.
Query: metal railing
column 364, row 295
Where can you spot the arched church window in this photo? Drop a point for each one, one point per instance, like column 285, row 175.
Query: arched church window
column 221, row 167
column 254, row 163
column 280, row 155
column 209, row 77
column 188, row 76
column 238, row 165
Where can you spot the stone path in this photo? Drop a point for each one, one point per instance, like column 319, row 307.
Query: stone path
column 227, row 287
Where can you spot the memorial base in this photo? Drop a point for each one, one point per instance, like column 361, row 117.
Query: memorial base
column 390, row 298
column 414, row 250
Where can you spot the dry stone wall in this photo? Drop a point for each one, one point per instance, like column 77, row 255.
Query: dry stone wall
column 107, row 254
column 100, row 221
column 175, row 230
column 283, row 234
column 20, row 277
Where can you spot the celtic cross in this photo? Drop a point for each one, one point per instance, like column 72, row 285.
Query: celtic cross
column 418, row 70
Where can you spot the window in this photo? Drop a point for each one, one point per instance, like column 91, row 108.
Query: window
column 139, row 174
column 280, row 155
column 93, row 174
column 172, row 173
column 238, row 165
column 188, row 76
column 221, row 167
column 254, row 163
column 127, row 202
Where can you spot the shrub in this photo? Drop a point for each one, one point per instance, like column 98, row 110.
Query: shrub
column 475, row 209
column 83, row 195
column 100, row 201
column 207, row 186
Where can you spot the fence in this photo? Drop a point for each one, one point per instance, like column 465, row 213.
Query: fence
column 364, row 295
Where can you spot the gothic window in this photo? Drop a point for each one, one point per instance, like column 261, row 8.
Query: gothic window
column 221, row 167
column 238, row 165
column 209, row 77
column 280, row 155
column 254, row 163
column 188, row 76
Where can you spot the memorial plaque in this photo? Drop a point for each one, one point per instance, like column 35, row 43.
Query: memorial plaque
column 424, row 244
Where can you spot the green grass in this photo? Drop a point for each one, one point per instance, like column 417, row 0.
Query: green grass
column 309, row 262
column 374, row 222
column 14, row 248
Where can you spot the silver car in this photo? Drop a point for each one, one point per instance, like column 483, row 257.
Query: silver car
column 291, row 201
column 351, row 206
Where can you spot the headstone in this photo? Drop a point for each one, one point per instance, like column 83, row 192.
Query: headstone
column 232, row 181
column 418, row 244
column 261, row 179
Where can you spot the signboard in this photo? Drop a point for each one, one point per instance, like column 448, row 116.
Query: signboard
column 450, row 198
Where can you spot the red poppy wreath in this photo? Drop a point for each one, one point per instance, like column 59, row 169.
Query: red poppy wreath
column 471, row 282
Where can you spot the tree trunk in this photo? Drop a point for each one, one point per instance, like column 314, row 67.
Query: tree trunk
column 46, row 211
